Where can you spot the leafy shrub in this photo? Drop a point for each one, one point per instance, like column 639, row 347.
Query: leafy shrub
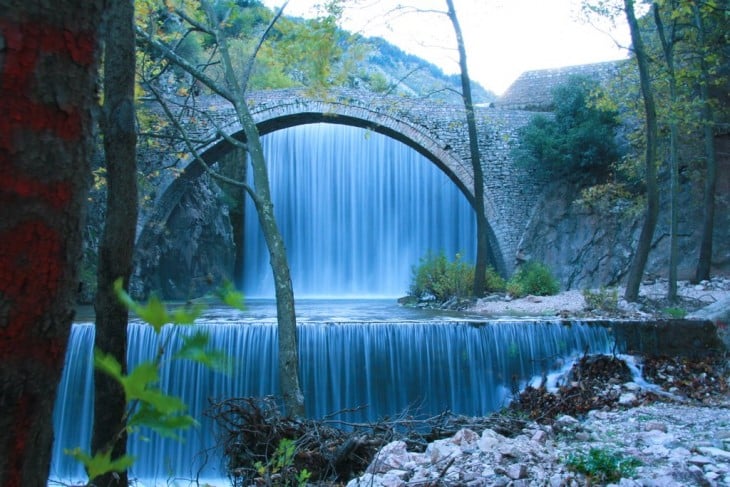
column 493, row 281
column 533, row 278
column 435, row 275
column 605, row 299
column 675, row 312
column 602, row 465
column 580, row 137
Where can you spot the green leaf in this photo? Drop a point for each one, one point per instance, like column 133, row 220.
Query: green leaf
column 167, row 425
column 122, row 295
column 108, row 364
column 136, row 383
column 101, row 463
column 195, row 348
column 154, row 313
column 228, row 294
column 187, row 315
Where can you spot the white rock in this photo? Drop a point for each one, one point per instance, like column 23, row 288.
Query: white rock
column 655, row 426
column 699, row 460
column 627, row 398
column 394, row 455
column 714, row 452
column 489, row 440
column 539, row 436
column 516, row 471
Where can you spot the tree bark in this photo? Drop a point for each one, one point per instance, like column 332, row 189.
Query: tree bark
column 638, row 263
column 480, row 266
column 704, row 262
column 117, row 242
column 48, row 63
column 668, row 40
column 285, row 313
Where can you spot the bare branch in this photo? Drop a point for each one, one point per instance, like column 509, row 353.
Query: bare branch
column 184, row 64
column 194, row 152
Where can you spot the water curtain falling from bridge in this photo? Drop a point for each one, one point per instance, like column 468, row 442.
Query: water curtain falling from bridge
column 357, row 210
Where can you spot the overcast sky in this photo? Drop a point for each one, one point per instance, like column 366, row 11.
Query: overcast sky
column 503, row 37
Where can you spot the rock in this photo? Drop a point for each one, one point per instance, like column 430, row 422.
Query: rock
column 516, row 471
column 655, row 426
column 394, row 455
column 677, row 451
column 627, row 399
column 715, row 452
column 699, row 460
column 566, row 422
column 539, row 436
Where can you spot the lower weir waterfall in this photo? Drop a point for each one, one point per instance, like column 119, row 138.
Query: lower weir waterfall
column 469, row 368
column 357, row 210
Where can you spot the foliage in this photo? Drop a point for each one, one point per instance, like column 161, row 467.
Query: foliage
column 279, row 470
column 604, row 299
column 675, row 312
column 602, row 465
column 436, row 276
column 147, row 405
column 493, row 282
column 580, row 137
column 533, row 278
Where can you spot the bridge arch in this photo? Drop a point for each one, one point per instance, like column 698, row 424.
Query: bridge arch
column 394, row 117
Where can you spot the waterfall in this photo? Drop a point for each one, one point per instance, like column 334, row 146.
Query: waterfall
column 357, row 210
column 468, row 368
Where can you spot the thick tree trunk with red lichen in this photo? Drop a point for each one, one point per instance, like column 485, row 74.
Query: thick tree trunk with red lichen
column 48, row 72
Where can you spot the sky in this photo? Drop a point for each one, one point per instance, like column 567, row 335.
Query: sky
column 503, row 38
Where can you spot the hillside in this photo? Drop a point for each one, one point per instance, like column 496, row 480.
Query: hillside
column 413, row 76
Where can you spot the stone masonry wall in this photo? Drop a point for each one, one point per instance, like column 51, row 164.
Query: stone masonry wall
column 437, row 130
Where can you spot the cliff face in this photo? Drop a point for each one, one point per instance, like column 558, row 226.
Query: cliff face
column 586, row 247
column 194, row 251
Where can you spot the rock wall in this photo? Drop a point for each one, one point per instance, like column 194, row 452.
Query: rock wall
column 589, row 247
column 193, row 252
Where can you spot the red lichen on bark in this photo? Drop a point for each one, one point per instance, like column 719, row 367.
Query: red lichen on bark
column 33, row 257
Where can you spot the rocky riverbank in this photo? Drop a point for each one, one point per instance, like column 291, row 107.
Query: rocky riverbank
column 627, row 433
column 609, row 302
column 668, row 426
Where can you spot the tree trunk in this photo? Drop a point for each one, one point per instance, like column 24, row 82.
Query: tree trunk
column 704, row 262
column 117, row 243
column 480, row 267
column 48, row 58
column 638, row 263
column 668, row 43
column 233, row 91
column 285, row 313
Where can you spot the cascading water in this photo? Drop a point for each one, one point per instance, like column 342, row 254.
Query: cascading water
column 357, row 210
column 468, row 368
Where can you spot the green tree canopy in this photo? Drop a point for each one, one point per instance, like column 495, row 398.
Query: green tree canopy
column 580, row 137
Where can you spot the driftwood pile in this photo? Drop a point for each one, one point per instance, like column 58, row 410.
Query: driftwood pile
column 332, row 451
column 587, row 387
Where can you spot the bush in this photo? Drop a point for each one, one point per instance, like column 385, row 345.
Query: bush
column 579, row 138
column 436, row 276
column 604, row 299
column 602, row 465
column 533, row 278
column 494, row 283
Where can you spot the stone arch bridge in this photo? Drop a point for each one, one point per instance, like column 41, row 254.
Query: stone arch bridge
column 435, row 129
